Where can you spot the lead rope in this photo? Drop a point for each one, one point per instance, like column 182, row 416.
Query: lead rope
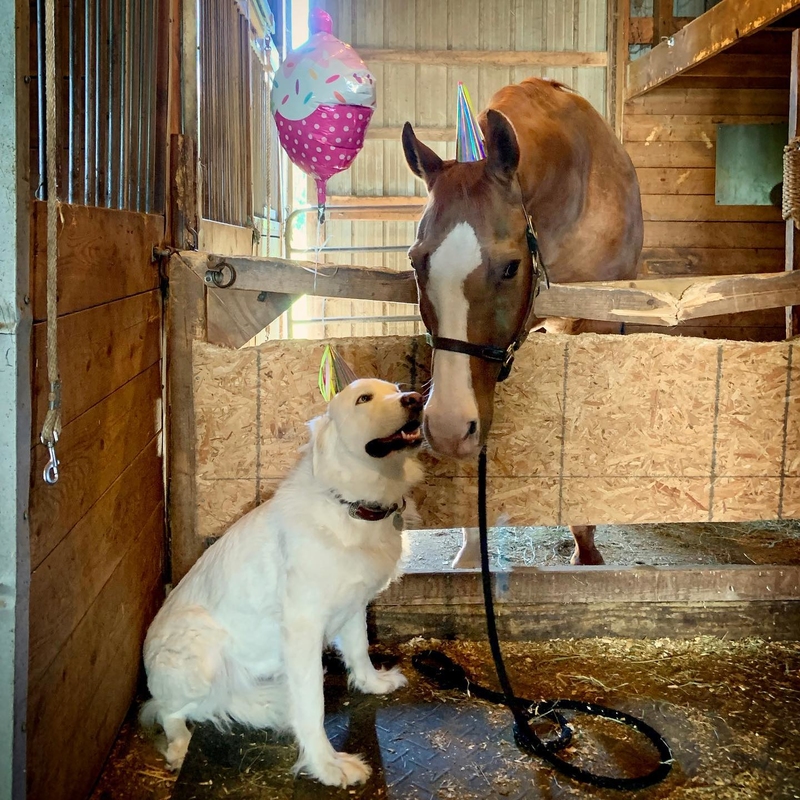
column 439, row 668
column 51, row 428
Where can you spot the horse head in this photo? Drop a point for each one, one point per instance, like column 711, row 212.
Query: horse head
column 475, row 273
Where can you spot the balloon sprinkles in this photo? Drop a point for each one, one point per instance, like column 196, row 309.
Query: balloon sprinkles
column 323, row 98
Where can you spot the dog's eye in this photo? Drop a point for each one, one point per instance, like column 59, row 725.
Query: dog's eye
column 365, row 398
column 511, row 270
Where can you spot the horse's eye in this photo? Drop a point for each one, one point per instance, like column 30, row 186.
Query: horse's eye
column 511, row 270
column 365, row 398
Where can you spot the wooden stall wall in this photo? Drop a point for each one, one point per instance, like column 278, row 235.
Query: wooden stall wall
column 670, row 133
column 418, row 50
column 97, row 536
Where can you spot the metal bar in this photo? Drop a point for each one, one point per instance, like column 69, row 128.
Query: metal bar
column 139, row 103
column 71, row 105
column 41, row 191
column 388, row 248
column 99, row 184
column 112, row 102
column 89, row 127
column 354, row 319
column 124, row 122
column 77, row 157
column 149, row 49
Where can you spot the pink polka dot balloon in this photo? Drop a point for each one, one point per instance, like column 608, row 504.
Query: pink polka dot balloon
column 323, row 98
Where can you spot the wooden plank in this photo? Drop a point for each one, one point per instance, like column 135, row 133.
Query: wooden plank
column 234, row 318
column 94, row 449
column 668, row 302
column 484, row 58
column 103, row 255
column 733, row 333
column 704, row 37
column 662, row 20
column 218, row 237
column 67, row 582
column 672, row 180
column 395, row 200
column 106, row 346
column 185, row 323
column 711, row 101
column 714, row 234
column 764, row 619
column 666, row 261
column 184, row 211
column 672, row 154
column 76, row 709
column 641, row 30
column 686, row 127
column 792, row 246
column 750, row 65
column 730, row 83
column 702, row 208
column 294, row 277
column 605, row 584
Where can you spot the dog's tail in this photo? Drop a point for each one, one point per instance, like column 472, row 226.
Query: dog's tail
column 149, row 714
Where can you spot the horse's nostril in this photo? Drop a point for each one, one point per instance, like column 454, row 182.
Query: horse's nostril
column 473, row 428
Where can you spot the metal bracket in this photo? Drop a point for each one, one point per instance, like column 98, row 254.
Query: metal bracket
column 217, row 278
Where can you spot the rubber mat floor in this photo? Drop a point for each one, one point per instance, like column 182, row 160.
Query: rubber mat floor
column 733, row 730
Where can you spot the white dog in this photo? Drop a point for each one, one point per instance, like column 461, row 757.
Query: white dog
column 241, row 637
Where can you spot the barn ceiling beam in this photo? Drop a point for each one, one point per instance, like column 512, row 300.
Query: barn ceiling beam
column 486, row 58
column 665, row 302
column 704, row 37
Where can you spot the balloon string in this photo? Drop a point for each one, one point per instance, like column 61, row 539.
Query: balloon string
column 318, row 247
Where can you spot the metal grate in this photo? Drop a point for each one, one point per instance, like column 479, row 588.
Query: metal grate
column 225, row 133
column 111, row 104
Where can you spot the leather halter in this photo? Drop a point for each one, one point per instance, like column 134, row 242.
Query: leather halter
column 492, row 353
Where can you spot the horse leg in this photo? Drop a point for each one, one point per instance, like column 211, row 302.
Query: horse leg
column 469, row 556
column 585, row 550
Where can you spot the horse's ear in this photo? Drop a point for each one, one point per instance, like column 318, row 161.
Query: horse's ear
column 502, row 148
column 421, row 160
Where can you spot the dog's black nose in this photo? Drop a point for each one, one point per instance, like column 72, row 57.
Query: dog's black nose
column 412, row 400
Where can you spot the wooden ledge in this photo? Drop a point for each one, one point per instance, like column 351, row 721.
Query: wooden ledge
column 704, row 37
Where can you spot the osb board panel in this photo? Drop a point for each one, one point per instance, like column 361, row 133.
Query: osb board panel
column 589, row 429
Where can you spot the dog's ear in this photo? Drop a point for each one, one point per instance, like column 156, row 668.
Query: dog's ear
column 323, row 435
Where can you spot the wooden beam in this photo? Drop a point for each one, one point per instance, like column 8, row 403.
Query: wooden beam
column 666, row 302
column 670, row 301
column 386, row 209
column 300, row 277
column 709, row 34
column 185, row 323
column 485, row 58
column 395, row 200
column 792, row 250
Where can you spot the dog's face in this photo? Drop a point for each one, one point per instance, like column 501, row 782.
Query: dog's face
column 369, row 419
column 376, row 418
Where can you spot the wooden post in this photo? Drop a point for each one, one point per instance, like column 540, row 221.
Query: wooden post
column 185, row 323
column 662, row 20
column 792, row 240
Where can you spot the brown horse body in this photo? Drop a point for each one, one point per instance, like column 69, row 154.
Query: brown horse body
column 548, row 152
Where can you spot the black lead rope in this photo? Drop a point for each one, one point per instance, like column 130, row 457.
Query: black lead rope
column 448, row 675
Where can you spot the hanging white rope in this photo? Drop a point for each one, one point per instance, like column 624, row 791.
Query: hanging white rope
column 51, row 428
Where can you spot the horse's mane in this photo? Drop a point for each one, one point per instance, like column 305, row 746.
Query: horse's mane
column 559, row 85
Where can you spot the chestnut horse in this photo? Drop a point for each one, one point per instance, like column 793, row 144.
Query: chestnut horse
column 550, row 155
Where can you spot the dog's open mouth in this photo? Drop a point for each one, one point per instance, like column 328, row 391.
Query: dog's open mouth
column 410, row 435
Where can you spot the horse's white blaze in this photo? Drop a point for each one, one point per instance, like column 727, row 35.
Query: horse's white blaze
column 452, row 404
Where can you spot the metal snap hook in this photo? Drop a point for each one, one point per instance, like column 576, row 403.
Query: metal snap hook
column 50, row 472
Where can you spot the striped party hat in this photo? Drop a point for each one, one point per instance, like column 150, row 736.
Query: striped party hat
column 334, row 373
column 469, row 139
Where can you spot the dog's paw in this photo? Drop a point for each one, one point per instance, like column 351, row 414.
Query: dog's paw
column 175, row 754
column 382, row 681
column 340, row 769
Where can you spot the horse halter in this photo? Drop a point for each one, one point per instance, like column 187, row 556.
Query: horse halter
column 489, row 352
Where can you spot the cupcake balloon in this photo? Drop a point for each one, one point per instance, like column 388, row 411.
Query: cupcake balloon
column 323, row 97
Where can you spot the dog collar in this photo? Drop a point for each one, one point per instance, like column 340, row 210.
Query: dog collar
column 371, row 512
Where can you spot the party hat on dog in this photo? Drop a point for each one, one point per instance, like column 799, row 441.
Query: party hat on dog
column 469, row 140
column 334, row 373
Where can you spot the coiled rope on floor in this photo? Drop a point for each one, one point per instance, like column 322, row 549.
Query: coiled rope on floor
column 449, row 675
